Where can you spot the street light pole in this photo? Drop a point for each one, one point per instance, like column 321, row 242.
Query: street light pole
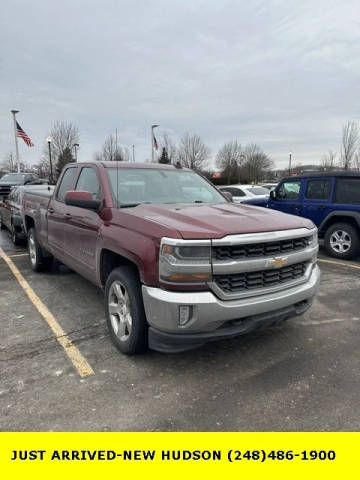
column 242, row 156
column 75, row 146
column 14, row 112
column 133, row 148
column 290, row 155
column 51, row 170
column 152, row 142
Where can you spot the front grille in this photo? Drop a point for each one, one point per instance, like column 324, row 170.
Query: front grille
column 254, row 250
column 241, row 282
column 5, row 190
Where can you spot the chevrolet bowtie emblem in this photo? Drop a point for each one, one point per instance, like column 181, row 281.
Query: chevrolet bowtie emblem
column 277, row 262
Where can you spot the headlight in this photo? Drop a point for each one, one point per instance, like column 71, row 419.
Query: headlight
column 185, row 262
column 313, row 240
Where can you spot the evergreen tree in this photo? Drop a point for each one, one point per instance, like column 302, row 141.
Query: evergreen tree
column 164, row 157
column 63, row 159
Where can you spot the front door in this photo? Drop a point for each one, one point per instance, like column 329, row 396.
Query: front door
column 83, row 225
column 288, row 197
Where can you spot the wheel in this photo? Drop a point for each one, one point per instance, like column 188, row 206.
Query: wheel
column 15, row 237
column 342, row 240
column 125, row 315
column 38, row 260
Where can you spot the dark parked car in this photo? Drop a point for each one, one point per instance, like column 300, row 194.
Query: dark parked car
column 330, row 200
column 10, row 216
column 10, row 180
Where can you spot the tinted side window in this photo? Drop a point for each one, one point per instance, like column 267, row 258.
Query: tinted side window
column 66, row 184
column 318, row 189
column 238, row 193
column 347, row 190
column 88, row 181
column 289, row 190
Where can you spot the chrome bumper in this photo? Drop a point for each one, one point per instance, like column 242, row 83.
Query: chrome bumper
column 209, row 313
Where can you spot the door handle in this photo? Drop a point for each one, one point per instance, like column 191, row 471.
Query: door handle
column 51, row 210
column 68, row 216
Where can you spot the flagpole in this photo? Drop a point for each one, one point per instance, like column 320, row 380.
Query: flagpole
column 14, row 112
column 152, row 144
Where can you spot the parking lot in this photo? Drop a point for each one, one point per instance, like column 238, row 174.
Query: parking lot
column 302, row 375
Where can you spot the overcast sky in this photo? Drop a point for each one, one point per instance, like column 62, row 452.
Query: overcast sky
column 283, row 74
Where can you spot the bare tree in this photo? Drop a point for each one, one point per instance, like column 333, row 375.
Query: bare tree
column 42, row 169
column 63, row 136
column 328, row 161
column 357, row 160
column 170, row 147
column 349, row 143
column 9, row 163
column 257, row 163
column 111, row 152
column 192, row 152
column 229, row 159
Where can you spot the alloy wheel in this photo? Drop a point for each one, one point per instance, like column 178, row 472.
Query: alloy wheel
column 340, row 241
column 119, row 311
column 32, row 250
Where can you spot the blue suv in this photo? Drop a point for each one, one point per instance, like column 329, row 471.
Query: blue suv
column 330, row 200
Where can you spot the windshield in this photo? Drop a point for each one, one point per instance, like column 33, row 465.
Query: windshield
column 258, row 191
column 133, row 186
column 12, row 177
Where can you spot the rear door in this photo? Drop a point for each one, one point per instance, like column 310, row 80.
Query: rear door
column 317, row 199
column 56, row 211
column 288, row 197
column 83, row 225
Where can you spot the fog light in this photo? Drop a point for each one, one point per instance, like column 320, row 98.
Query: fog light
column 184, row 314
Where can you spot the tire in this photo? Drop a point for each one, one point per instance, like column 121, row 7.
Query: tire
column 125, row 315
column 38, row 261
column 342, row 241
column 15, row 237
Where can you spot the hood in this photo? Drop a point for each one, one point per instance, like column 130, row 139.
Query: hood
column 217, row 220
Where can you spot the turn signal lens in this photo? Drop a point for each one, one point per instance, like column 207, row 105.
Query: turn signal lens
column 189, row 277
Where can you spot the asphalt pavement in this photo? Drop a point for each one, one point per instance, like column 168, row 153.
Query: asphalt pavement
column 303, row 375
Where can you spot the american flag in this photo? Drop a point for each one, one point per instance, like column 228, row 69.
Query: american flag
column 155, row 143
column 20, row 133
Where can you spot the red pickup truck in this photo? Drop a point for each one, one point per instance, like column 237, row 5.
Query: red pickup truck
column 179, row 263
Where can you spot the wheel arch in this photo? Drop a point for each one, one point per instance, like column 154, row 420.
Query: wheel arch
column 109, row 260
column 352, row 218
column 29, row 222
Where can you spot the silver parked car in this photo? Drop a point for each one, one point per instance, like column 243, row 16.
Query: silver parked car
column 245, row 192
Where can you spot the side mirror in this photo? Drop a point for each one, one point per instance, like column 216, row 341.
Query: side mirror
column 273, row 194
column 81, row 199
column 228, row 196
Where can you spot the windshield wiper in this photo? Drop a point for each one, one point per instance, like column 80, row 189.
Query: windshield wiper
column 128, row 205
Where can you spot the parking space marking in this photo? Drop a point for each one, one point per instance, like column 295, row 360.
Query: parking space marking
column 18, row 255
column 350, row 265
column 78, row 360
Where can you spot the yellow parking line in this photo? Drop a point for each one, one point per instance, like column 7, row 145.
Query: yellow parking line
column 18, row 255
column 78, row 360
column 339, row 263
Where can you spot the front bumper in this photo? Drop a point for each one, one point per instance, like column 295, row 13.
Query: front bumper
column 214, row 319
